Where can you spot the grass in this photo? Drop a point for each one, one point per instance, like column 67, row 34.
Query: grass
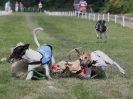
column 66, row 33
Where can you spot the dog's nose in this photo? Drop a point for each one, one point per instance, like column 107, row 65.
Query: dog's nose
column 82, row 63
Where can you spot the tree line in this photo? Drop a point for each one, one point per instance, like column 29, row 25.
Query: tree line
column 112, row 6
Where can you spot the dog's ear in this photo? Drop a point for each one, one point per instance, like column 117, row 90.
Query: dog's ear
column 89, row 55
column 19, row 44
column 78, row 52
column 74, row 50
column 11, row 49
column 26, row 46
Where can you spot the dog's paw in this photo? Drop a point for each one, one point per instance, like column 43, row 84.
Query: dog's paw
column 97, row 37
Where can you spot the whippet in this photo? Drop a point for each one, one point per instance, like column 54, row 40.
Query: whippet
column 101, row 29
column 43, row 57
column 97, row 59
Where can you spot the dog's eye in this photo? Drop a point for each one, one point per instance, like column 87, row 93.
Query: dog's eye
column 85, row 57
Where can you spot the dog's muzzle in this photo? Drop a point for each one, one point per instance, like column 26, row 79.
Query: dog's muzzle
column 82, row 63
column 10, row 60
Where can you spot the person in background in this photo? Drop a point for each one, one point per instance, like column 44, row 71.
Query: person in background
column 8, row 6
column 76, row 5
column 40, row 7
column 83, row 5
column 16, row 6
column 21, row 7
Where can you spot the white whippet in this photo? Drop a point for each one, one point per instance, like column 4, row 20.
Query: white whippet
column 43, row 57
column 96, row 59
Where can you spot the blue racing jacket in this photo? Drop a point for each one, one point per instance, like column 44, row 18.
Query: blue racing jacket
column 46, row 52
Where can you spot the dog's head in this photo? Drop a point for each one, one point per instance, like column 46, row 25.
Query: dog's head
column 18, row 52
column 100, row 24
column 84, row 57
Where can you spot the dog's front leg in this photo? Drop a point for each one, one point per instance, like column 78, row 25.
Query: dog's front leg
column 53, row 60
column 30, row 71
column 98, row 34
column 47, row 71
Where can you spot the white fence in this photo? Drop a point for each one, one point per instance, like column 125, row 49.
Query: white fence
column 120, row 19
column 2, row 13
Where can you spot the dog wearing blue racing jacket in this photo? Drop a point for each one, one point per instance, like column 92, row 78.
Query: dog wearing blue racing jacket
column 43, row 57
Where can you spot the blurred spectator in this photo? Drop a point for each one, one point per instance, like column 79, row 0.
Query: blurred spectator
column 16, row 6
column 40, row 7
column 76, row 5
column 21, row 7
column 8, row 6
column 83, row 5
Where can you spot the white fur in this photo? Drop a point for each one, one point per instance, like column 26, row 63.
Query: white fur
column 33, row 56
column 103, row 60
column 35, row 31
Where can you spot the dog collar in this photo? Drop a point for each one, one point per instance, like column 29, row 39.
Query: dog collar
column 35, row 63
column 87, row 65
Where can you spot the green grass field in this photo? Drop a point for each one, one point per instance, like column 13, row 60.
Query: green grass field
column 66, row 33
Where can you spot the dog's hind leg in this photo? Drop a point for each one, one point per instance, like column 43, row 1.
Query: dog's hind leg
column 53, row 60
column 47, row 71
column 30, row 71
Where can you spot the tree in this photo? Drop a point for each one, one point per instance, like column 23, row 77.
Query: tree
column 113, row 6
column 118, row 6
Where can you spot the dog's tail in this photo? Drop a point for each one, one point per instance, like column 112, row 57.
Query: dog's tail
column 119, row 67
column 35, row 31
